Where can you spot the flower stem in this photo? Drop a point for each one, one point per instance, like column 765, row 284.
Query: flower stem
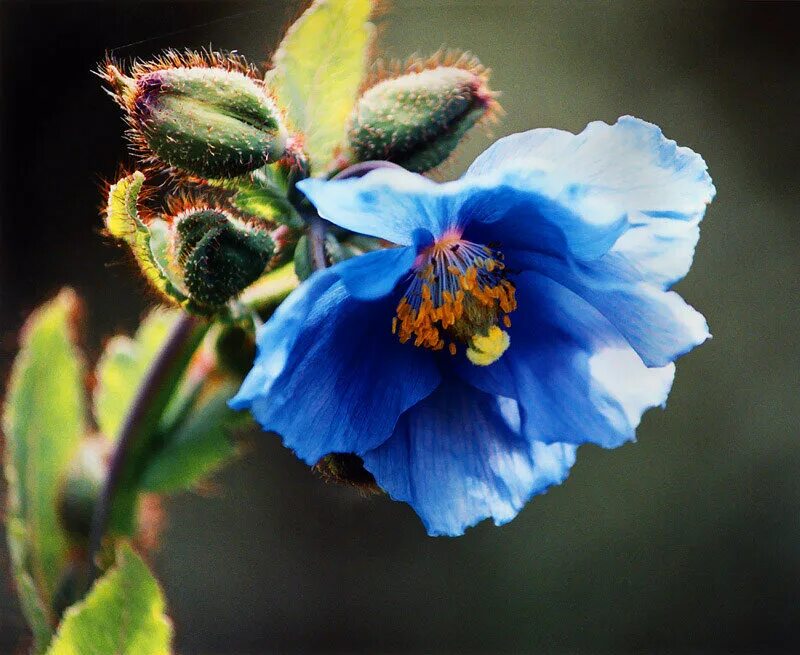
column 364, row 167
column 316, row 237
column 117, row 502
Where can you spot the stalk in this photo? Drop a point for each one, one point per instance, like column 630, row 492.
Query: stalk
column 116, row 505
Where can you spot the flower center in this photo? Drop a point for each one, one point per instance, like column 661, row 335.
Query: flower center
column 460, row 294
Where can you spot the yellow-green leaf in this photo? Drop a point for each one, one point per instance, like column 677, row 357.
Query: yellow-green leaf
column 147, row 241
column 33, row 608
column 318, row 69
column 43, row 422
column 122, row 615
column 122, row 367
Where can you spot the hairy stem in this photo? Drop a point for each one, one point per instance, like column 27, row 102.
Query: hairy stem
column 316, row 237
column 117, row 502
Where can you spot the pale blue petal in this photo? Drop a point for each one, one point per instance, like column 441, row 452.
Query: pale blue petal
column 575, row 377
column 330, row 376
column 456, row 461
column 391, row 204
column 613, row 177
column 656, row 250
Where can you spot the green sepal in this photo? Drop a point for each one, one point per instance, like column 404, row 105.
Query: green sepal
column 44, row 419
column 82, row 487
column 197, row 114
column 124, row 614
column 347, row 469
column 338, row 248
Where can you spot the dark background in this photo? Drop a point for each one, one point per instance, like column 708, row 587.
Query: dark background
column 687, row 541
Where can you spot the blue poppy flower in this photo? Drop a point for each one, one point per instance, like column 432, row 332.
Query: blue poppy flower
column 525, row 310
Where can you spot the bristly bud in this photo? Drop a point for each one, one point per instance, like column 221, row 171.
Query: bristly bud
column 206, row 114
column 217, row 254
column 347, row 469
column 418, row 118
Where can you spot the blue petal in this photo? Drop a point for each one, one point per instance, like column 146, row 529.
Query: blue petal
column 612, row 178
column 456, row 461
column 658, row 324
column 276, row 339
column 656, row 250
column 375, row 274
column 330, row 376
column 575, row 377
column 391, row 204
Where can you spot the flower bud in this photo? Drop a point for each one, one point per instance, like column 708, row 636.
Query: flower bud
column 82, row 487
column 347, row 469
column 217, row 254
column 203, row 114
column 417, row 119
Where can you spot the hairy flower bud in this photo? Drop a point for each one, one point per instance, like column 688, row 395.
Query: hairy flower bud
column 347, row 469
column 417, row 119
column 218, row 255
column 204, row 114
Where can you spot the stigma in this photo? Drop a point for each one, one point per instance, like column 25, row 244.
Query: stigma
column 460, row 296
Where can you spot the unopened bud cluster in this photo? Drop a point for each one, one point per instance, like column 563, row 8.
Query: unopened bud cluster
column 198, row 255
column 212, row 125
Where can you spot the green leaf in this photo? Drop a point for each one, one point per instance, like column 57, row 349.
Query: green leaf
column 271, row 289
column 302, row 259
column 43, row 422
column 122, row 615
column 197, row 448
column 263, row 196
column 318, row 69
column 37, row 615
column 147, row 241
column 122, row 367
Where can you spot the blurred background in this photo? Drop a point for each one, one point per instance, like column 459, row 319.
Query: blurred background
column 688, row 541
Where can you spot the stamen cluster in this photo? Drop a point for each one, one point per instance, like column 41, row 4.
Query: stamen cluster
column 459, row 292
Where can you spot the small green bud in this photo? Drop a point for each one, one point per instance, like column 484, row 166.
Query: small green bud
column 205, row 114
column 82, row 487
column 417, row 119
column 217, row 254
